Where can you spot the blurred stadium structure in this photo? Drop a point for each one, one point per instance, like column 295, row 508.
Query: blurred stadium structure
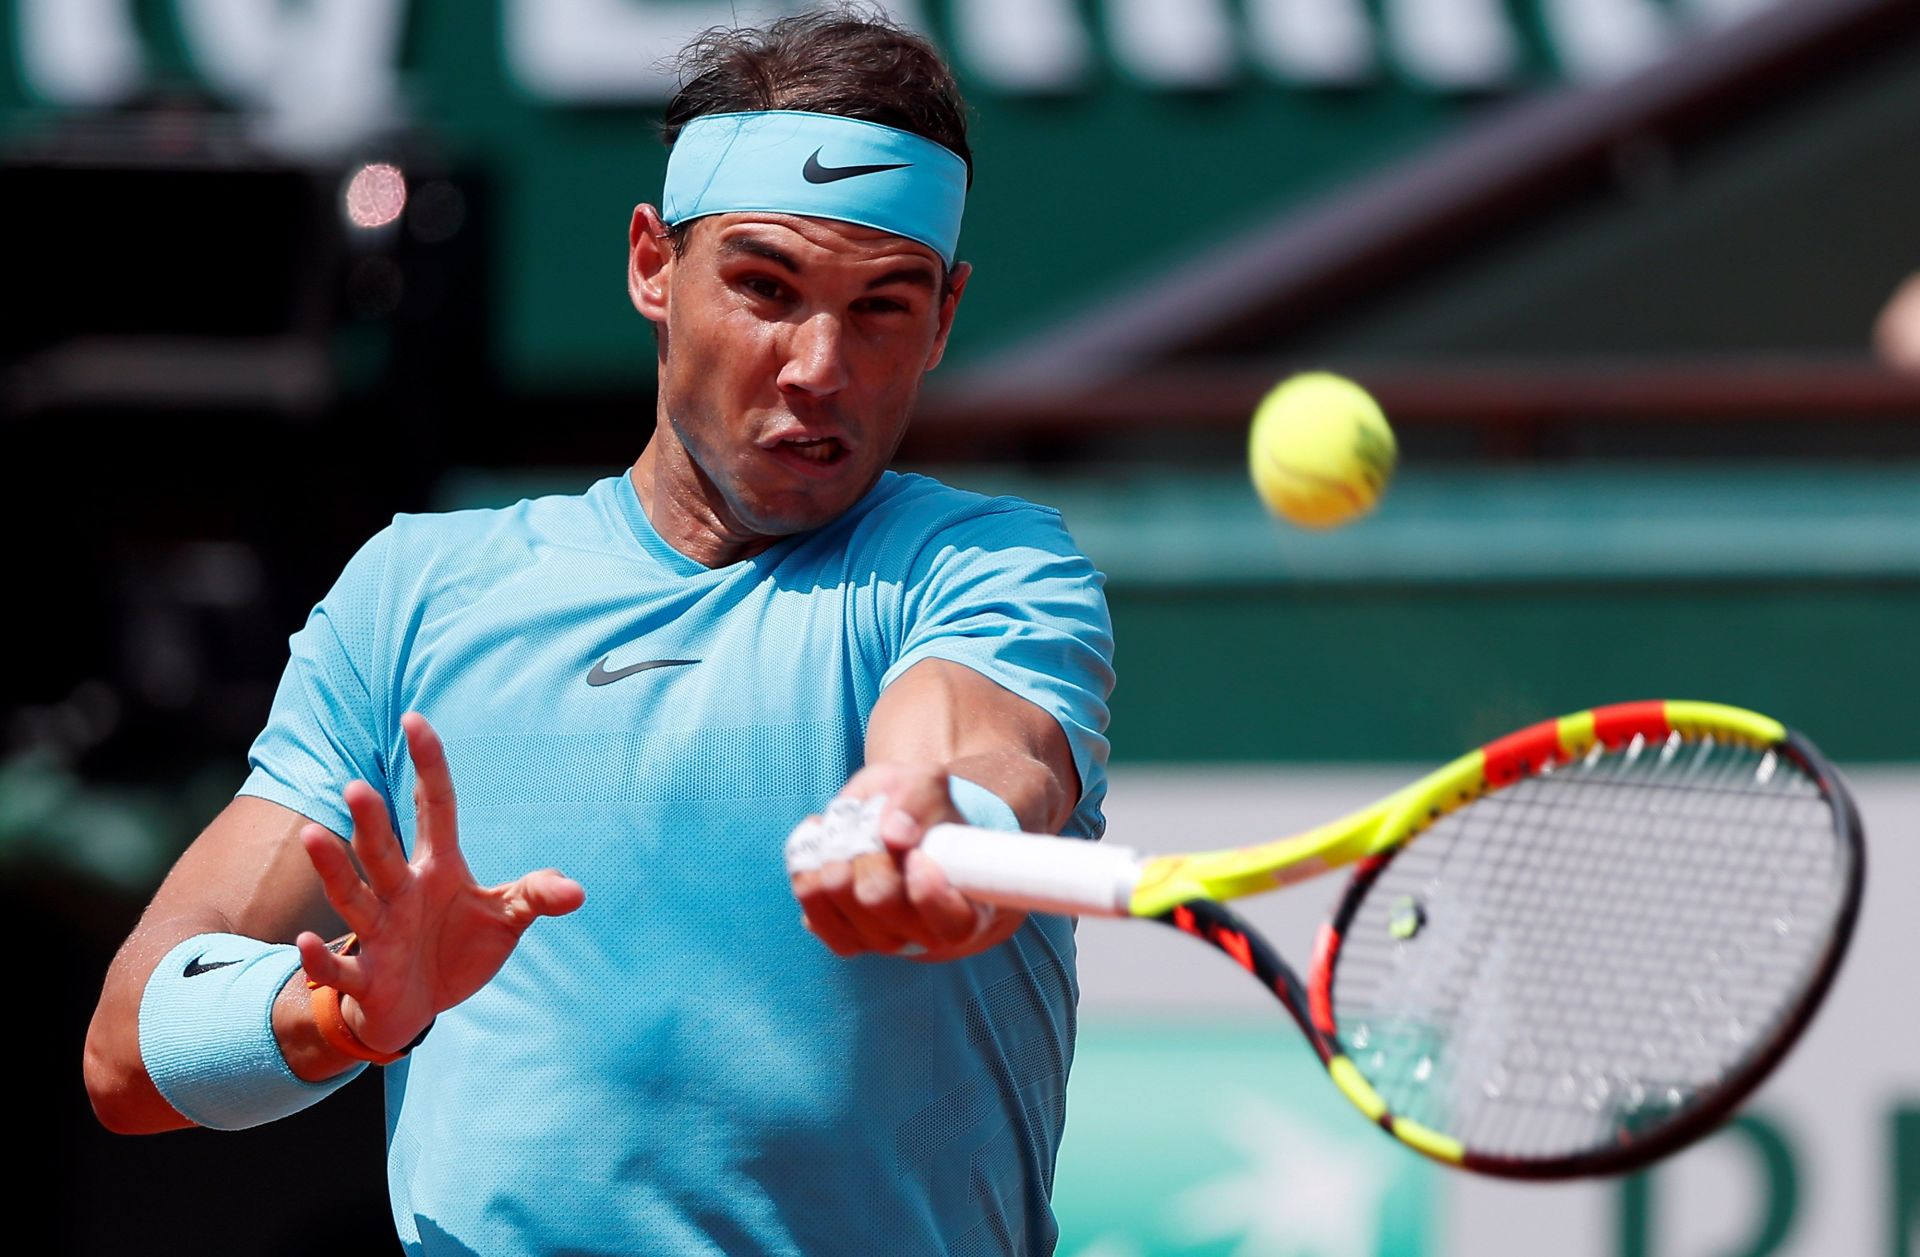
column 1612, row 265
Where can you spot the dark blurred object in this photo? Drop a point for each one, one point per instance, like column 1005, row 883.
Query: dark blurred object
column 169, row 262
column 225, row 370
column 208, row 1193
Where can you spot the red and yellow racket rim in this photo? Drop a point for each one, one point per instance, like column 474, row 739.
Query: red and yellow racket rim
column 1501, row 763
column 1168, row 881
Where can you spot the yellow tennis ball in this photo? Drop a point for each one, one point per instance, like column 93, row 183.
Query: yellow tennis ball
column 1320, row 450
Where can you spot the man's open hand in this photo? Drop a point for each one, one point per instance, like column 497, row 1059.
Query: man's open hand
column 429, row 935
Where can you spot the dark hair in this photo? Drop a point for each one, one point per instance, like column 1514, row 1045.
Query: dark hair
column 845, row 61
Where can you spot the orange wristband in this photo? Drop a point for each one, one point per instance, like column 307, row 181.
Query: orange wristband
column 338, row 1034
column 333, row 1026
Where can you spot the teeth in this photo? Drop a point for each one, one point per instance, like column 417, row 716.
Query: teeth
column 816, row 449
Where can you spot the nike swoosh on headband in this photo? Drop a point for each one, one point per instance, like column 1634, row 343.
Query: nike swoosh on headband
column 814, row 172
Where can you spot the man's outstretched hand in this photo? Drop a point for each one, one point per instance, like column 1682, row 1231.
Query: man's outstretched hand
column 429, row 935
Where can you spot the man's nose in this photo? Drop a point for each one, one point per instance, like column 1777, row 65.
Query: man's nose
column 816, row 357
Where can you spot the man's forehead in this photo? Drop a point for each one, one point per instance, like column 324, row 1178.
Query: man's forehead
column 802, row 239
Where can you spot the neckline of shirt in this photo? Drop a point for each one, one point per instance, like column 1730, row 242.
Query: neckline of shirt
column 627, row 499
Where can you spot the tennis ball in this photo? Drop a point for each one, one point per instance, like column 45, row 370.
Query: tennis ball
column 1320, row 450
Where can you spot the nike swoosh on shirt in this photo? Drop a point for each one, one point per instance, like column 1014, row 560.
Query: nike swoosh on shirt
column 814, row 172
column 602, row 675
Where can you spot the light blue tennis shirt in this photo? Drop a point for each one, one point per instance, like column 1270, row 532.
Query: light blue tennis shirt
column 678, row 1067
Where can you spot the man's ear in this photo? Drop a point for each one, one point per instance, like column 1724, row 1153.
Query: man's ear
column 949, row 303
column 649, row 263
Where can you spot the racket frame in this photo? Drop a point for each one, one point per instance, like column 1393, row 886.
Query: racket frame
column 1188, row 892
column 1370, row 838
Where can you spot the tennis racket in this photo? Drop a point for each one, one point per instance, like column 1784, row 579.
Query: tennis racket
column 1569, row 952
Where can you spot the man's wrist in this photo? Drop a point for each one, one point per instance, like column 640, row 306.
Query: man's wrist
column 211, row 1033
column 328, row 1008
column 306, row 1050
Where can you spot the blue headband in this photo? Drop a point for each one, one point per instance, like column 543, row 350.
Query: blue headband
column 819, row 165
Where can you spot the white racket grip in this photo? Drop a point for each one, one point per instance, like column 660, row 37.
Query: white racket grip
column 1034, row 871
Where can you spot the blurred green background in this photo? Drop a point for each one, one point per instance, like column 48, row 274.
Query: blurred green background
column 1614, row 266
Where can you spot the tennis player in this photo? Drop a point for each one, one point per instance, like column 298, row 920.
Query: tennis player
column 648, row 685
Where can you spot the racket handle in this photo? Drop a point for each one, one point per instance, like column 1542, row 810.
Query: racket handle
column 1043, row 874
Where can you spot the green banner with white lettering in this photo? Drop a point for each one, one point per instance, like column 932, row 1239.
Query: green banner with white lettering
column 1112, row 137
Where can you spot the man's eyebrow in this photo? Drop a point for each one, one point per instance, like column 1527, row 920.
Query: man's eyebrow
column 919, row 276
column 749, row 246
column 737, row 246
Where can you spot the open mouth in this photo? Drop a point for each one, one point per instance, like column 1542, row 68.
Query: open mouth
column 822, row 451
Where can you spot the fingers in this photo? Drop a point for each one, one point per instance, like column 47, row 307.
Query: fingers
column 316, row 960
column 343, row 973
column 916, row 797
column 374, row 843
column 435, row 808
column 876, row 902
column 985, row 925
column 995, row 926
column 543, row 893
column 349, row 895
column 949, row 915
column 931, row 921
column 821, row 853
column 856, row 896
column 827, row 923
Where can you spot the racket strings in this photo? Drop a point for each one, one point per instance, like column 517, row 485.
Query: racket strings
column 1566, row 963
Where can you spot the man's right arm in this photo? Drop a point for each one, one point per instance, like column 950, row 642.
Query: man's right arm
column 428, row 937
column 246, row 874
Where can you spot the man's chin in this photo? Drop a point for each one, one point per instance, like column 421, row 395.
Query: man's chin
column 785, row 519
column 819, row 503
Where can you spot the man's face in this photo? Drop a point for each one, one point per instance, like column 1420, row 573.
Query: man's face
column 793, row 352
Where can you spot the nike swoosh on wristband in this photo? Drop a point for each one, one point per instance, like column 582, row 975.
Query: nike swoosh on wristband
column 602, row 675
column 814, row 172
column 194, row 968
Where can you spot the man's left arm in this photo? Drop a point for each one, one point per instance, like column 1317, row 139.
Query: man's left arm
column 939, row 720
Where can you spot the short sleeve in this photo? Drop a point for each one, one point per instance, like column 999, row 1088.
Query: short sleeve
column 1009, row 595
column 326, row 727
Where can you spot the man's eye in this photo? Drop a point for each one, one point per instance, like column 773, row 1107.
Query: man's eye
column 882, row 305
column 769, row 289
